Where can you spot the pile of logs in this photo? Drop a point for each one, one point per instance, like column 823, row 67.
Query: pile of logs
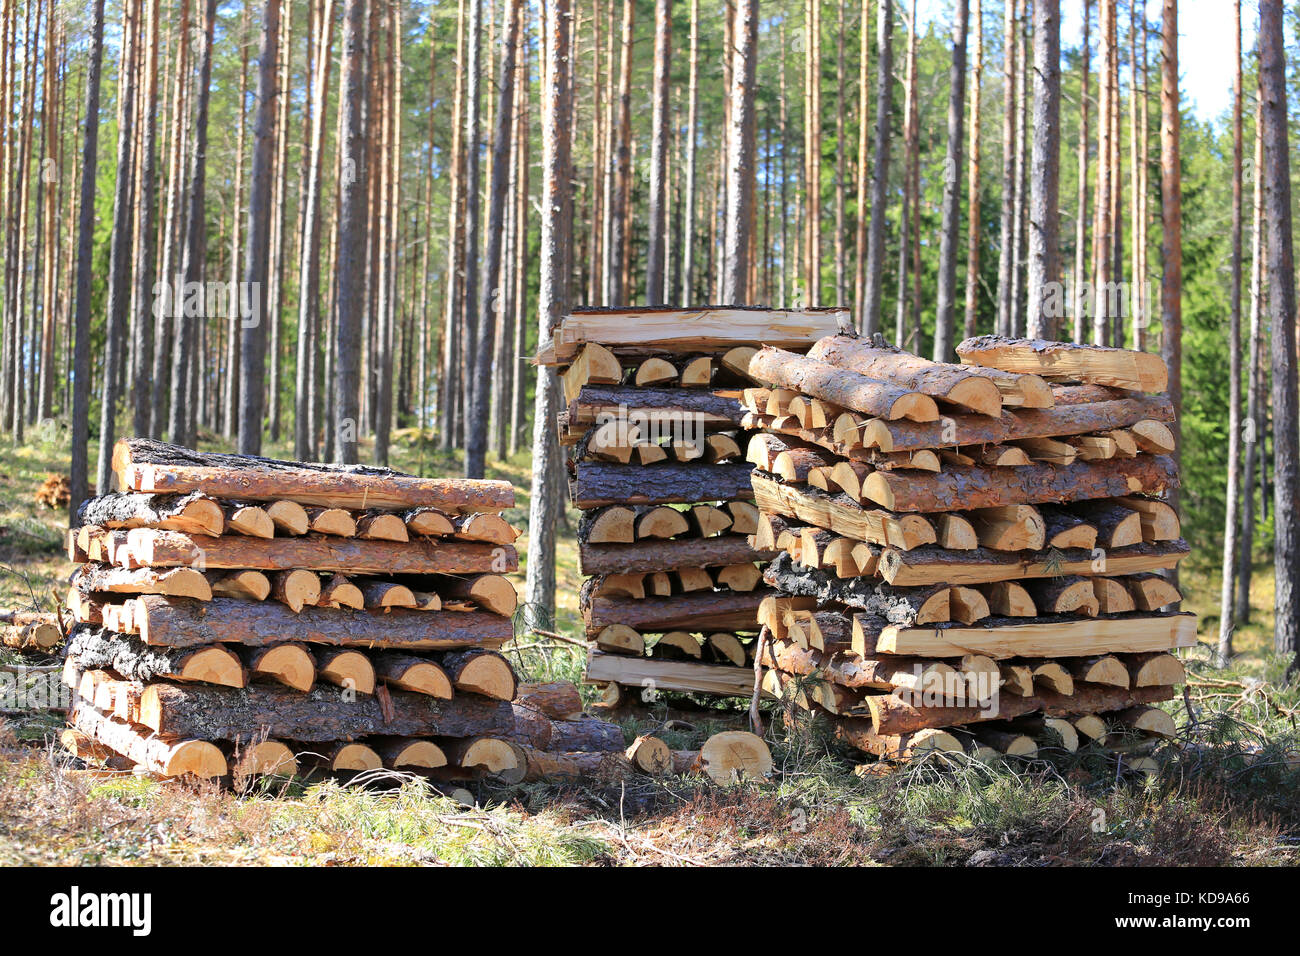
column 241, row 615
column 30, row 632
column 654, row 422
column 969, row 556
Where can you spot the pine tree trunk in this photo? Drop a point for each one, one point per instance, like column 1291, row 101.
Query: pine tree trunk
column 616, row 280
column 1282, row 306
column 519, row 411
column 1103, row 240
column 656, row 260
column 974, row 224
column 874, row 289
column 119, row 276
column 740, row 154
column 85, row 271
column 946, row 305
column 555, row 261
column 1079, row 301
column 1006, row 248
column 476, row 432
column 1232, row 494
column 1254, row 435
column 1171, row 245
column 1045, row 299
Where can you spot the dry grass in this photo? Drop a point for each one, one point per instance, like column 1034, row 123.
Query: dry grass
column 1228, row 792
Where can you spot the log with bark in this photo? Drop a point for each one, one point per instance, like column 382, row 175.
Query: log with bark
column 171, row 622
column 655, row 411
column 601, row 483
column 849, row 389
column 170, row 757
column 151, row 548
column 218, row 713
column 1089, row 364
column 194, row 513
column 97, row 648
column 152, row 467
column 842, row 515
column 701, row 610
column 932, row 565
column 646, row 556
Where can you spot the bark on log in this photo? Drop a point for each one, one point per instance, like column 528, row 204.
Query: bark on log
column 871, row 396
column 976, row 486
column 171, row 758
column 701, row 610
column 930, row 565
column 167, row 622
column 558, row 700
column 645, row 556
column 600, row 483
column 898, row 606
column 218, row 713
column 1089, row 364
column 654, row 408
column 349, row 555
column 195, row 513
column 98, row 649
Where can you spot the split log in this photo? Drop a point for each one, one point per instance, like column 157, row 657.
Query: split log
column 385, row 595
column 383, row 526
column 1153, row 436
column 175, row 582
column 709, row 520
column 263, row 758
column 1048, row 450
column 338, row 591
column 739, row 577
column 692, row 579
column 103, row 650
column 491, row 592
column 620, row 639
column 842, row 515
column 214, row 713
column 1104, row 669
column 646, row 556
column 599, row 483
column 660, row 522
column 1064, row 529
column 1090, row 726
column 418, row 675
column 1010, row 528
column 1155, row 670
column 890, row 715
column 706, row 611
column 1008, row 742
column 930, row 565
column 615, row 524
column 481, row 672
column 194, row 513
column 950, row 383
column 295, row 589
column 979, row 487
column 654, row 410
column 645, row 674
column 332, row 521
column 345, row 668
column 653, row 371
column 169, row 757
column 290, row 664
column 594, row 363
column 1012, row 426
column 169, row 622
column 249, row 520
column 1159, row 519
column 676, row 646
column 1113, row 597
column 488, row 527
column 289, row 517
column 171, row 548
column 697, row 372
column 488, row 755
column 1009, row 599
column 558, row 700
column 1089, row 364
column 876, row 397
column 251, row 585
column 1067, row 594
column 1148, row 720
column 1004, row 638
column 406, row 753
column 900, row 746
column 144, row 465
column 1054, row 677
column 427, row 522
column 1116, row 527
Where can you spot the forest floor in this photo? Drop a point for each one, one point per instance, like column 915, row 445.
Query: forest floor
column 1228, row 791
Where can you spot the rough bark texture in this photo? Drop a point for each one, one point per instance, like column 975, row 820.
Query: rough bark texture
column 176, row 623
column 594, row 401
column 871, row 396
column 946, row 296
column 128, row 510
column 873, row 292
column 699, row 611
column 95, row 648
column 930, row 565
column 598, row 483
column 1046, row 297
column 643, row 557
column 220, row 713
column 740, row 154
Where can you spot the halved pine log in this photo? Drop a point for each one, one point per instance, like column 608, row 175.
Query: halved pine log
column 194, row 513
column 1113, row 597
column 1051, row 732
column 676, row 646
column 1067, row 594
column 929, row 565
column 349, row 669
column 1017, row 679
column 1117, row 527
column 262, row 758
column 744, row 516
column 1008, row 742
column 332, row 521
column 1100, row 669
column 155, row 549
column 950, row 383
column 620, row 639
column 290, row 664
column 1090, row 726
column 289, row 517
column 709, row 520
column 842, row 515
column 1019, row 389
column 382, row 526
column 248, row 519
column 740, row 577
column 687, row 580
column 1089, row 364
column 419, row 675
column 104, row 650
column 980, row 487
column 296, row 589
column 491, row 592
column 653, row 371
column 615, row 524
column 491, row 755
column 175, row 582
column 1148, row 720
column 1159, row 519
column 481, row 672
column 697, row 372
column 659, row 522
column 1048, row 450
column 428, row 522
column 1064, row 529
column 1053, row 676
column 967, row 605
column 170, row 622
column 1009, row 599
column 1153, row 436
column 338, row 591
column 253, row 585
column 1152, row 670
column 408, row 753
column 1010, row 528
column 872, row 396
column 721, row 447
column 385, row 595
column 144, row 465
column 489, row 527
column 594, row 363
column 727, row 648
column 171, row 757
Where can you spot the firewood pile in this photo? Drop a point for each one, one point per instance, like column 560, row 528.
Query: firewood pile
column 969, row 556
column 654, row 423
column 241, row 614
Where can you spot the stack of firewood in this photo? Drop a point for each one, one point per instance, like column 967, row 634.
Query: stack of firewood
column 235, row 614
column 653, row 418
column 969, row 555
